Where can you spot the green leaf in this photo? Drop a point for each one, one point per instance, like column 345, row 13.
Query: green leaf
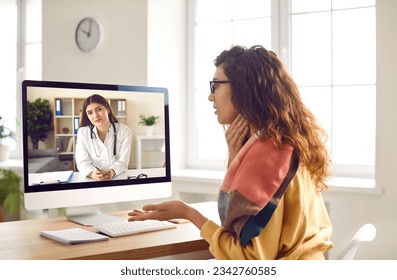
column 11, row 195
column 39, row 119
column 148, row 121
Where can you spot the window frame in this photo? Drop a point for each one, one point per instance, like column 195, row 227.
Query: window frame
column 21, row 44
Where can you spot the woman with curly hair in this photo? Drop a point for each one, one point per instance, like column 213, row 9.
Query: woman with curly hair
column 270, row 202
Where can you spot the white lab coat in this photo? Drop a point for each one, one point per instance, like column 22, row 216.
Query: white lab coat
column 92, row 152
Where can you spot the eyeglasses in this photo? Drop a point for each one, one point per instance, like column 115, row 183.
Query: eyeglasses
column 140, row 176
column 214, row 82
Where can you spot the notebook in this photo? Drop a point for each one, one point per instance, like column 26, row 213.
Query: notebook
column 73, row 236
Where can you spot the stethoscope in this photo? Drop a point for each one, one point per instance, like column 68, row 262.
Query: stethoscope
column 93, row 136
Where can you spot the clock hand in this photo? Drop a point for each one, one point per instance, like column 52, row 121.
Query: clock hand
column 89, row 30
column 85, row 32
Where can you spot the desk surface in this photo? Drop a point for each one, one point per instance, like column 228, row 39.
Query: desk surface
column 21, row 240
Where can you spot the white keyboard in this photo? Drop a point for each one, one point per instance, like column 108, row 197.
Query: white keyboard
column 123, row 228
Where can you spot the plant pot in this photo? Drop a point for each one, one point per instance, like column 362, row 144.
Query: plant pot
column 4, row 153
column 149, row 130
column 2, row 219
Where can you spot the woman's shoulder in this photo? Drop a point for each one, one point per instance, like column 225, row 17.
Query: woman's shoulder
column 303, row 183
column 83, row 130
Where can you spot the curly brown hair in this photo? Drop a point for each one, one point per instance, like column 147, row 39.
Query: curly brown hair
column 267, row 97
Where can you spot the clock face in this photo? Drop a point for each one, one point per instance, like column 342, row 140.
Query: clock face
column 88, row 34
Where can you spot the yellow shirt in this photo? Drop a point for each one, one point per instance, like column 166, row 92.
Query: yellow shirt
column 299, row 228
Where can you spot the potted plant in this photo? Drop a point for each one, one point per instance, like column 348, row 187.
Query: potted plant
column 39, row 120
column 148, row 122
column 11, row 196
column 5, row 133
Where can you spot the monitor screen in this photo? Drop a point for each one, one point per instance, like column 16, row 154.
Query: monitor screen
column 64, row 144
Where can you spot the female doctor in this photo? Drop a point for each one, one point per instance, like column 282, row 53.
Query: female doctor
column 103, row 144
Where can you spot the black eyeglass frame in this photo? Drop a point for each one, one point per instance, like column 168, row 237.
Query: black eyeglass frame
column 140, row 176
column 214, row 82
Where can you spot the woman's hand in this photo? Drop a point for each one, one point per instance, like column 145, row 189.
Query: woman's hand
column 167, row 211
column 163, row 211
column 101, row 175
column 235, row 136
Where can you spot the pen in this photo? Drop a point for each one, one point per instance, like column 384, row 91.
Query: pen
column 95, row 167
column 49, row 182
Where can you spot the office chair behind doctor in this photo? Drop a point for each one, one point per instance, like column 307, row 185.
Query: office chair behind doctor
column 103, row 144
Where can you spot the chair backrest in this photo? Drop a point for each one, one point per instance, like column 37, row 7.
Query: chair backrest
column 366, row 233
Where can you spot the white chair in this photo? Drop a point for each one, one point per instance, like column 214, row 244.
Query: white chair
column 366, row 233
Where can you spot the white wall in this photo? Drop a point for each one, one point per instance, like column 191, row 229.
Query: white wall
column 167, row 65
column 121, row 58
column 145, row 43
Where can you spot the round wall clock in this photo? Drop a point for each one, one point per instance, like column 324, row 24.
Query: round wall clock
column 88, row 34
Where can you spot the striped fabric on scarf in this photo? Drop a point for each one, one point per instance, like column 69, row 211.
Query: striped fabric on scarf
column 254, row 183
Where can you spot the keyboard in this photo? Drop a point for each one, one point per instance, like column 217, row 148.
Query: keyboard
column 116, row 229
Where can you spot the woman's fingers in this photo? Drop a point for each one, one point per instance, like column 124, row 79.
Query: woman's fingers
column 235, row 136
column 163, row 211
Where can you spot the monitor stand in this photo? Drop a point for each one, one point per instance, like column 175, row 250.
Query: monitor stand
column 90, row 216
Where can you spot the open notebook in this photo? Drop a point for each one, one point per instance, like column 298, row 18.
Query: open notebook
column 57, row 177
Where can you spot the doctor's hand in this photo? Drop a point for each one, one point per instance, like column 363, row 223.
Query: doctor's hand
column 167, row 211
column 235, row 135
column 101, row 175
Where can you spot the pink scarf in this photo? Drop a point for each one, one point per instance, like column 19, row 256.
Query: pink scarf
column 253, row 185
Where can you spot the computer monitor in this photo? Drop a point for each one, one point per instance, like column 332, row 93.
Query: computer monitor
column 148, row 174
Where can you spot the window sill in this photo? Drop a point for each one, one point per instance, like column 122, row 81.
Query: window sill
column 337, row 185
column 354, row 185
column 198, row 175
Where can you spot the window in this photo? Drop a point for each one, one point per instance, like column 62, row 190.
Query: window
column 20, row 56
column 329, row 47
column 333, row 62
column 8, row 65
column 218, row 25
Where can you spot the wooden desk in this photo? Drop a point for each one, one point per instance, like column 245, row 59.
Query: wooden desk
column 21, row 240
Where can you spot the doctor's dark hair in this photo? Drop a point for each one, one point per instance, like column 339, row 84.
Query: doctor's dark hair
column 265, row 95
column 96, row 98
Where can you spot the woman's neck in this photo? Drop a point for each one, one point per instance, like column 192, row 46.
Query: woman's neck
column 103, row 130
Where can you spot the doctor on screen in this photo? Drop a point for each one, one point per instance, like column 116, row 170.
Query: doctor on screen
column 103, row 144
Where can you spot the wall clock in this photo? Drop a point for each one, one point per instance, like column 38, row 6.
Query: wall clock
column 88, row 34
